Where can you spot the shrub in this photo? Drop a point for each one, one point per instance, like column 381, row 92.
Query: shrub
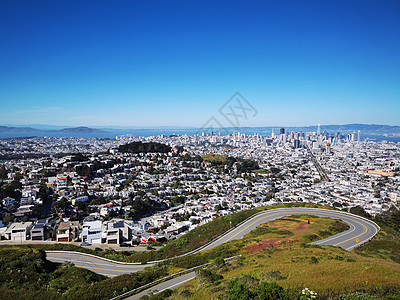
column 207, row 276
column 313, row 260
column 276, row 275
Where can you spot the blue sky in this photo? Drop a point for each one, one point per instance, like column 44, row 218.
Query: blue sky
column 175, row 63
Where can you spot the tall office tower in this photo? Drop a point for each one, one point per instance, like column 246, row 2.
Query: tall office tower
column 358, row 136
column 273, row 133
column 282, row 131
column 296, row 144
column 353, row 137
column 319, row 129
column 328, row 148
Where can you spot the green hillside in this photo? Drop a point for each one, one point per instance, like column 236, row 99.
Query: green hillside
column 277, row 262
column 279, row 252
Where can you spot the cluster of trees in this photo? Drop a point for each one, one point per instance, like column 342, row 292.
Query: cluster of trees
column 90, row 172
column 144, row 207
column 139, row 147
column 26, row 272
column 12, row 189
column 242, row 165
column 391, row 219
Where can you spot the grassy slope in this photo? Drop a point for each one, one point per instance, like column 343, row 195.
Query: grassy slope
column 386, row 244
column 328, row 270
column 26, row 274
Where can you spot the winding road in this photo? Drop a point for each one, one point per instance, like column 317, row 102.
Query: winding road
column 361, row 230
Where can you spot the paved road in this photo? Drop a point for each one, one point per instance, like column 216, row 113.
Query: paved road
column 94, row 264
column 321, row 171
column 170, row 284
column 361, row 230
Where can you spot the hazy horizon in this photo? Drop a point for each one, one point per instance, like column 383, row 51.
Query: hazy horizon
column 50, row 126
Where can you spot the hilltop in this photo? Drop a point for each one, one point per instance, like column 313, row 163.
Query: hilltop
column 278, row 251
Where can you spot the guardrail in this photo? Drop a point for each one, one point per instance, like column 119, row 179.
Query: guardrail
column 148, row 285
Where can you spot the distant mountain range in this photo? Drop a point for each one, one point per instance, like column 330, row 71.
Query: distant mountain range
column 367, row 130
column 10, row 132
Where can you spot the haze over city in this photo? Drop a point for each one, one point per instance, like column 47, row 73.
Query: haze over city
column 157, row 63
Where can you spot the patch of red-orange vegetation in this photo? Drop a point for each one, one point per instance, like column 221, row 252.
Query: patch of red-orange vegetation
column 259, row 246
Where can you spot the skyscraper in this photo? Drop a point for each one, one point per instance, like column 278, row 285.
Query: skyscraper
column 319, row 129
column 282, row 131
column 296, row 144
column 358, row 136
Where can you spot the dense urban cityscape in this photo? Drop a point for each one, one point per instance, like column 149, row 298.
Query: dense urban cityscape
column 97, row 191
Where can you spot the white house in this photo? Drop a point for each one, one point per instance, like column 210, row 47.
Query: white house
column 18, row 231
column 91, row 232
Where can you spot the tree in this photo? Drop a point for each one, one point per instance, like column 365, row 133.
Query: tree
column 3, row 172
column 8, row 218
column 37, row 211
column 61, row 206
column 358, row 210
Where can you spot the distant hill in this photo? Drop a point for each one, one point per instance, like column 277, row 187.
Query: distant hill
column 139, row 147
column 81, row 129
column 14, row 132
column 18, row 129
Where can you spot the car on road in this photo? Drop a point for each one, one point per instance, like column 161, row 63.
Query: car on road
column 98, row 249
column 84, row 244
column 150, row 248
column 125, row 245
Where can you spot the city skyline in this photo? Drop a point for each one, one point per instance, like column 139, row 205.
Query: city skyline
column 139, row 64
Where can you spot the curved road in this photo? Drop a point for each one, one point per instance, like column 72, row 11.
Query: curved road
column 361, row 230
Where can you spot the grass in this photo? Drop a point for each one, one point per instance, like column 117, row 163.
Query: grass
column 211, row 157
column 294, row 264
column 290, row 261
column 386, row 244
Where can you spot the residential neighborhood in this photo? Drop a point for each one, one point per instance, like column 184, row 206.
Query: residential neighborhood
column 92, row 191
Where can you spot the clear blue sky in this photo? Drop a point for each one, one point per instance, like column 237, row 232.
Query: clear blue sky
column 154, row 63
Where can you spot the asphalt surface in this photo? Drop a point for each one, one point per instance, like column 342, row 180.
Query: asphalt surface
column 361, row 230
column 94, row 264
column 170, row 284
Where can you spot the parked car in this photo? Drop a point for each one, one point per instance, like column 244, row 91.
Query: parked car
column 150, row 248
column 84, row 244
column 98, row 249
column 125, row 245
